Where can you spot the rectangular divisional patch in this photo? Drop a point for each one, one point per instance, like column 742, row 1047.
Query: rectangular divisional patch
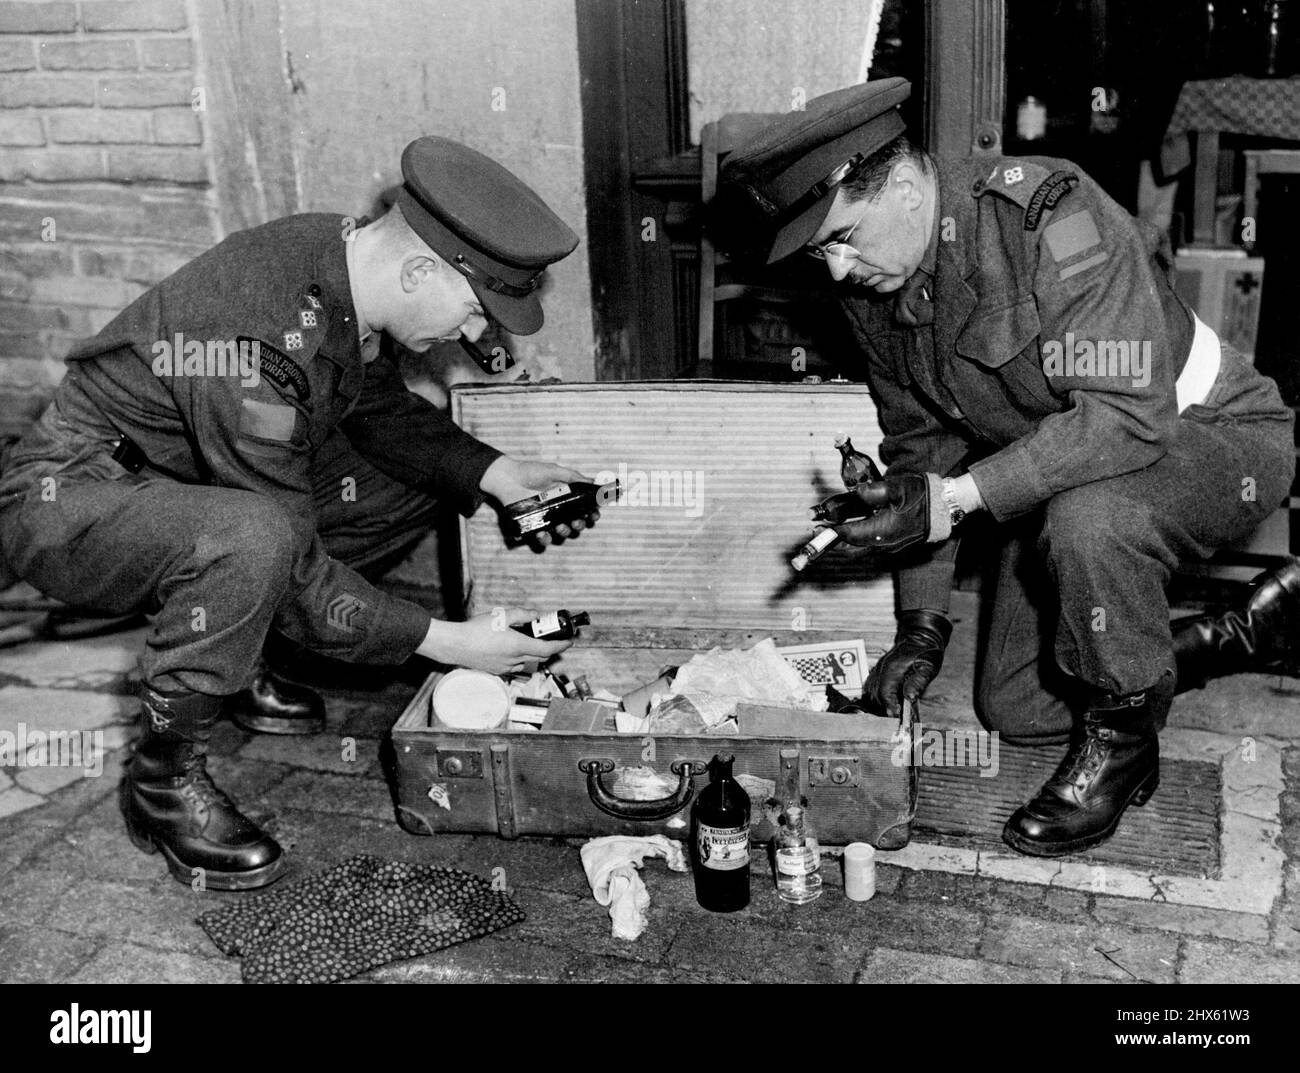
column 1074, row 234
column 266, row 421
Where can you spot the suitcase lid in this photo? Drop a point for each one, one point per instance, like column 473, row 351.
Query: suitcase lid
column 718, row 477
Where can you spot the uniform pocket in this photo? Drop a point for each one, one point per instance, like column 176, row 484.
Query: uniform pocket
column 993, row 339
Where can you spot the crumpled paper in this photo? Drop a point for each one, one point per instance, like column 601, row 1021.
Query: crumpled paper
column 700, row 713
column 611, row 865
column 715, row 680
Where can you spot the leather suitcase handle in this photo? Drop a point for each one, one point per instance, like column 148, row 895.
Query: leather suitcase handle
column 658, row 809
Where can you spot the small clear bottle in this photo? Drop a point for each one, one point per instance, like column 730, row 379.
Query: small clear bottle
column 797, row 858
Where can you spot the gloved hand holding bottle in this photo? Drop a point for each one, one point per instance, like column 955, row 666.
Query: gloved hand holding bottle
column 900, row 509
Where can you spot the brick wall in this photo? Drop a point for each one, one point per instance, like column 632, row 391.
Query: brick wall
column 104, row 179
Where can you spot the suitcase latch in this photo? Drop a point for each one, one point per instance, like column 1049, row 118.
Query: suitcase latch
column 459, row 763
column 836, row 770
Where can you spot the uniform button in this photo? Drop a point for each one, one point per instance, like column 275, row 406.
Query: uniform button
column 314, row 290
column 977, row 186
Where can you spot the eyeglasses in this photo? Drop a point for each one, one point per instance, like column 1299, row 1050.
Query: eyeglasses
column 837, row 249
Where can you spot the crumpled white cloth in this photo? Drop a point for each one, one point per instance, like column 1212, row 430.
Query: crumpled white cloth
column 611, row 864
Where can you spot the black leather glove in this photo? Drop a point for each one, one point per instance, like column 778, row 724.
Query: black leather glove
column 907, row 669
column 897, row 512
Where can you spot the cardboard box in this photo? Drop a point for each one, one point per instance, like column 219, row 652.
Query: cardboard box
column 1224, row 288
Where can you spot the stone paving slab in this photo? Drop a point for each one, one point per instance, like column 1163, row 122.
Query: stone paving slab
column 317, row 752
column 937, row 929
column 542, row 864
column 1216, row 963
column 60, row 709
column 247, row 781
column 314, row 841
column 158, row 913
column 16, row 799
column 30, row 895
column 318, row 791
column 1286, row 925
column 46, row 780
column 593, row 969
column 1107, row 951
column 1245, row 705
column 104, row 858
column 88, row 663
column 128, row 963
column 740, row 951
column 886, row 966
column 40, row 957
column 979, row 893
column 585, row 926
column 1186, row 919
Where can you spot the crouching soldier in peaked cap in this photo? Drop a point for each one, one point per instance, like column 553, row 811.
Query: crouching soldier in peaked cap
column 1030, row 359
column 193, row 462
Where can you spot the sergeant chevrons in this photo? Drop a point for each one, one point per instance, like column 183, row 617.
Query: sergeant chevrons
column 155, row 374
column 1024, row 251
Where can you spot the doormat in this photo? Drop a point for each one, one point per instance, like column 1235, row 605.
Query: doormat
column 1176, row 831
column 1159, row 852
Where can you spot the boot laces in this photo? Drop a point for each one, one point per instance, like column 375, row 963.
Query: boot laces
column 200, row 783
column 1087, row 760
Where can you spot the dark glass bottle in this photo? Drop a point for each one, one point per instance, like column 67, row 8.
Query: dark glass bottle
column 856, row 468
column 555, row 626
column 560, row 505
column 720, row 841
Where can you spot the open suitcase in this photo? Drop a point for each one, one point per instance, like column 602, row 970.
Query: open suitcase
column 717, row 478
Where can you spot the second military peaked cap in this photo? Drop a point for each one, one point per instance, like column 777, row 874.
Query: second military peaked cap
column 486, row 223
column 789, row 173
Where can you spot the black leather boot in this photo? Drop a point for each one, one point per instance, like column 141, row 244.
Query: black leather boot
column 275, row 705
column 1113, row 762
column 1264, row 636
column 171, row 804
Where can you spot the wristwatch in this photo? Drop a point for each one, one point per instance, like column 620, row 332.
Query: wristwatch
column 955, row 514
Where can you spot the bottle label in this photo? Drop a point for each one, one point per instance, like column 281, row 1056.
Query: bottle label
column 544, row 624
column 553, row 493
column 797, row 860
column 723, row 849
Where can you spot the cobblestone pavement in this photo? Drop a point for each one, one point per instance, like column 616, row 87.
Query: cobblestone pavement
column 79, row 903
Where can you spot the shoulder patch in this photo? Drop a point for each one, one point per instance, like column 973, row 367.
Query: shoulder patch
column 278, row 367
column 1073, row 237
column 1046, row 197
